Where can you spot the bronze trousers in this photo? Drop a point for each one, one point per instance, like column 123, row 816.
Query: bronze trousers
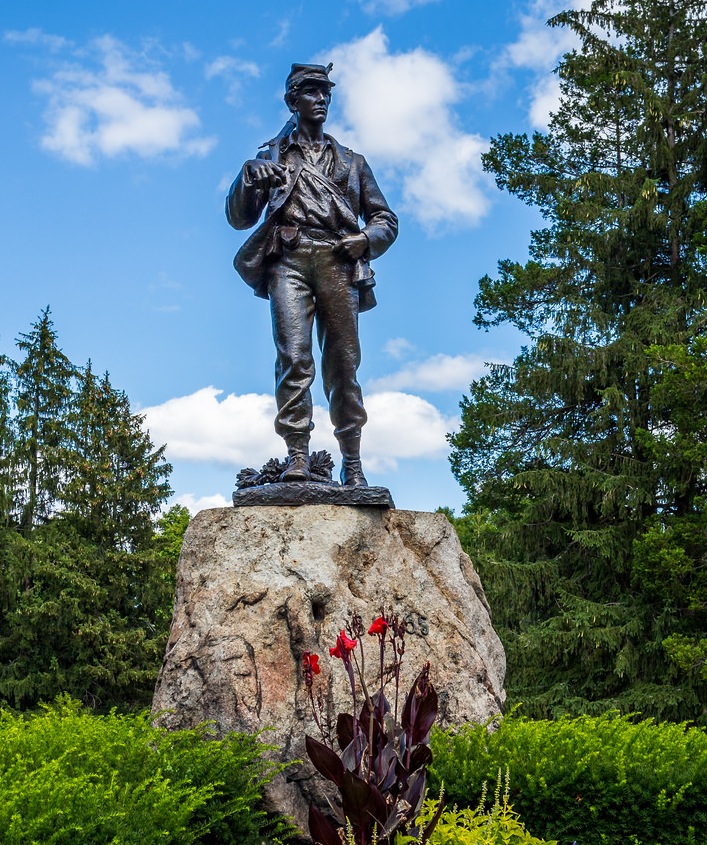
column 310, row 285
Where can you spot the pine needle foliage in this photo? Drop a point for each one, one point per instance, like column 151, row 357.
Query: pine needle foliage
column 584, row 460
column 79, row 619
column 86, row 565
column 116, row 479
column 43, row 381
column 7, row 439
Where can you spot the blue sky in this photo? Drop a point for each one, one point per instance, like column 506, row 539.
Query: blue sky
column 126, row 123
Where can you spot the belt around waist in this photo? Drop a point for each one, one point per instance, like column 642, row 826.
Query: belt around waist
column 318, row 234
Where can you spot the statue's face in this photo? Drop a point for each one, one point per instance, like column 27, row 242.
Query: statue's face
column 313, row 103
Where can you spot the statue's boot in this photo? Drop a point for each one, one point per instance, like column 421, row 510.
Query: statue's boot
column 351, row 470
column 297, row 468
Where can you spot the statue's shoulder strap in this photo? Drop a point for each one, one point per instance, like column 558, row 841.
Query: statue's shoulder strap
column 274, row 143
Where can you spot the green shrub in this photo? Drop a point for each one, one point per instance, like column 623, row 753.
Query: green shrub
column 71, row 778
column 601, row 779
column 499, row 825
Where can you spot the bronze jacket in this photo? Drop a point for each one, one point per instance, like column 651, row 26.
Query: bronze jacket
column 355, row 181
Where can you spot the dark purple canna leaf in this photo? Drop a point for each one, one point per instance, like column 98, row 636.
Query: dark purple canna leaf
column 420, row 708
column 378, row 732
column 344, row 729
column 425, row 716
column 409, row 711
column 378, row 807
column 325, row 761
column 403, row 744
column 421, row 756
column 352, row 755
column 401, row 774
column 399, row 816
column 380, row 741
column 321, row 829
column 388, row 775
column 394, row 822
column 336, row 811
column 385, row 763
column 355, row 794
column 381, row 705
column 363, row 802
column 415, row 793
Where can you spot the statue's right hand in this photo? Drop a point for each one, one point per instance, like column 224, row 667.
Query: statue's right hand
column 264, row 173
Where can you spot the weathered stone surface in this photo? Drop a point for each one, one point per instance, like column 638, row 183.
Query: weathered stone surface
column 258, row 586
column 311, row 493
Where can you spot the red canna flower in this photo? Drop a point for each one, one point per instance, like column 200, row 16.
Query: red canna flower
column 378, row 626
column 343, row 646
column 310, row 667
column 349, row 643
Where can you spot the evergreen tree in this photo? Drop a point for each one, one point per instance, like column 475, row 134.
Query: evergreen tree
column 7, row 441
column 116, row 480
column 579, row 457
column 86, row 585
column 669, row 557
column 44, row 389
column 81, row 620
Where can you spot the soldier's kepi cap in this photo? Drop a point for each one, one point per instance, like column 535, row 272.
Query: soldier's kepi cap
column 301, row 74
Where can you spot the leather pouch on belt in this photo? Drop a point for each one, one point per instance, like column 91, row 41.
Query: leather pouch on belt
column 274, row 245
column 289, row 236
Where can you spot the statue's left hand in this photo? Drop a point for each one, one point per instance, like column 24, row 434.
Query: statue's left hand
column 352, row 246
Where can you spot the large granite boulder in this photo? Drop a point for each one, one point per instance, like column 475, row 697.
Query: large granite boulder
column 256, row 587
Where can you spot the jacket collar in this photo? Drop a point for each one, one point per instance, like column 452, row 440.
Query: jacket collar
column 342, row 155
column 292, row 140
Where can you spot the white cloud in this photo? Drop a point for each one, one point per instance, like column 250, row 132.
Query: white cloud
column 36, row 36
column 400, row 426
column 283, row 31
column 539, row 48
column 207, row 427
column 392, row 7
column 544, row 101
column 398, row 347
column 190, row 53
column 200, row 427
column 398, row 108
column 439, row 372
column 225, row 183
column 194, row 505
column 119, row 105
column 233, row 71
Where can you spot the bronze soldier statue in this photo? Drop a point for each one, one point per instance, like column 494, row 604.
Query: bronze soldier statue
column 310, row 258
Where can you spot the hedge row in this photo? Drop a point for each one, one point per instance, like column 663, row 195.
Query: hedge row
column 593, row 780
column 70, row 777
